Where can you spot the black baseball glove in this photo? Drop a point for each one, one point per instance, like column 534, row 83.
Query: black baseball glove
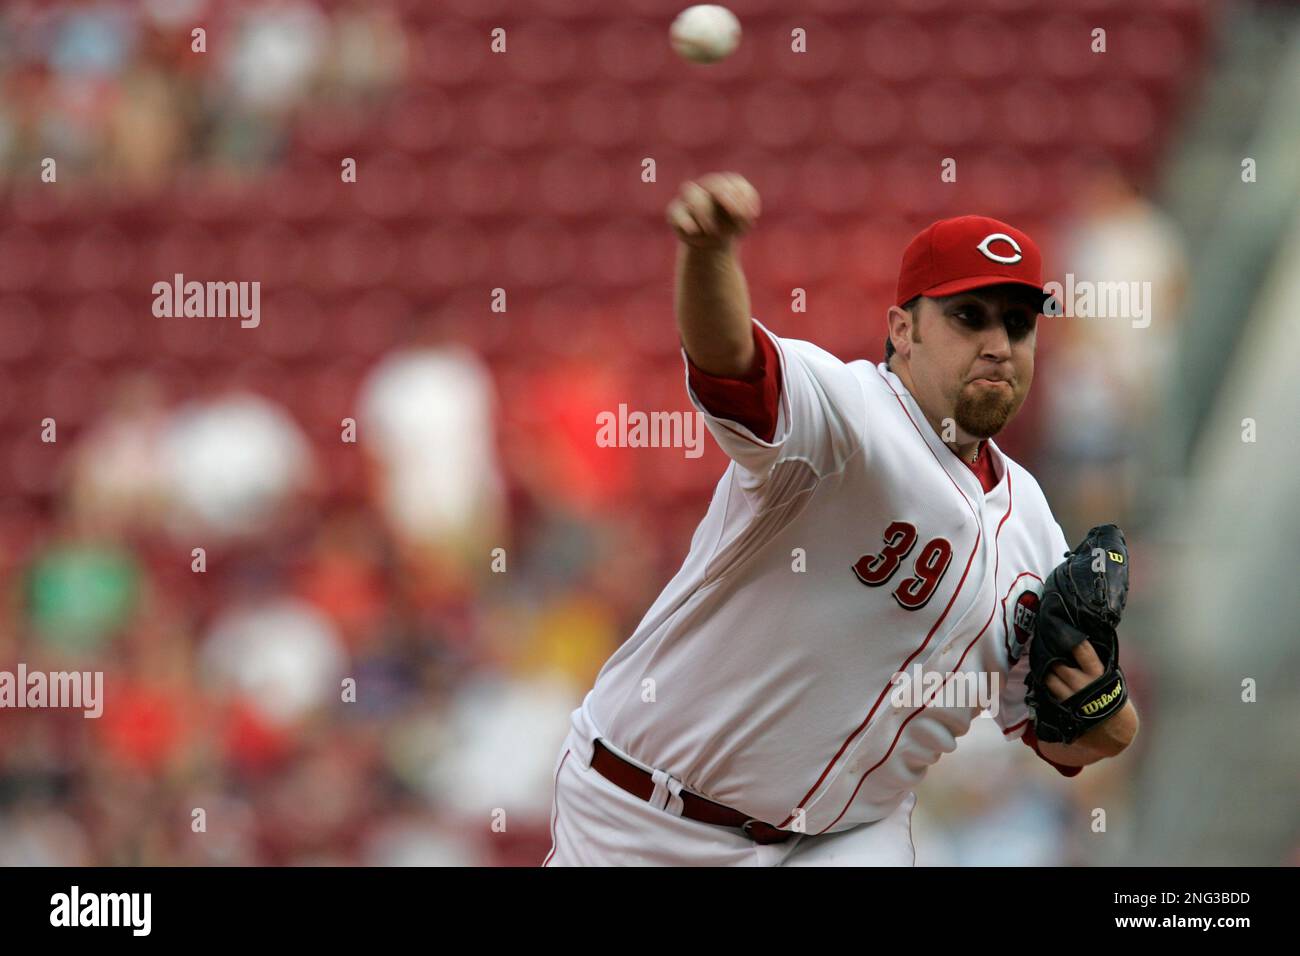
column 1082, row 599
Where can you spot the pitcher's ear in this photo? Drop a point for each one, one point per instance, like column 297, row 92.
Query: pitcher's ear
column 899, row 323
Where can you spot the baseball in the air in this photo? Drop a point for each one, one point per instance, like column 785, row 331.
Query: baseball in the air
column 705, row 33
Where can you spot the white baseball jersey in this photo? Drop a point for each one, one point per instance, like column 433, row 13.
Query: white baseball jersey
column 852, row 547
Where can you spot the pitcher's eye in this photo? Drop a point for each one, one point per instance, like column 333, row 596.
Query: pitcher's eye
column 1020, row 325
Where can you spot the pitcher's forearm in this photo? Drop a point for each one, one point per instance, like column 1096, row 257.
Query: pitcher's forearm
column 713, row 310
column 1108, row 739
column 711, row 298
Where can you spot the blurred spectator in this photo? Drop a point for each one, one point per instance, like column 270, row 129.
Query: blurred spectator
column 551, row 439
column 32, row 835
column 1106, row 376
column 369, row 51
column 344, row 577
column 272, row 53
column 413, row 840
column 428, row 419
column 92, row 39
column 233, row 466
column 117, row 471
column 313, row 812
column 499, row 731
column 80, row 594
column 281, row 655
column 145, row 135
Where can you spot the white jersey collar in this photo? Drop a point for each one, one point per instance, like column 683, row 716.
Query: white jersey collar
column 952, row 464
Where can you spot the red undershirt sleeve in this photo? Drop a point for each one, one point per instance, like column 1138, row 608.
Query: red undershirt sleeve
column 751, row 399
column 1031, row 739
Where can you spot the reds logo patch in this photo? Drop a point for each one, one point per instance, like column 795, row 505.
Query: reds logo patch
column 1019, row 612
column 987, row 242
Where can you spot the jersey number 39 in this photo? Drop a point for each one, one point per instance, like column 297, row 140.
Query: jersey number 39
column 915, row 590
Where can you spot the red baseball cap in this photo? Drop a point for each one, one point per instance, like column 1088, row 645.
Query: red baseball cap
column 957, row 255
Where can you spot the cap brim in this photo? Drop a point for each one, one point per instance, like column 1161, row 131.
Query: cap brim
column 955, row 286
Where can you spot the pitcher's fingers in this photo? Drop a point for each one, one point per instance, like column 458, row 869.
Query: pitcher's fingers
column 748, row 196
column 732, row 202
column 1072, row 677
column 680, row 218
column 1058, row 688
column 700, row 203
column 1087, row 657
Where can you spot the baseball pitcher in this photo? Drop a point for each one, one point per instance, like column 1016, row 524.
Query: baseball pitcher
column 873, row 573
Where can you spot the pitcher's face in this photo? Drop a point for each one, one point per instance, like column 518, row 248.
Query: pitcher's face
column 972, row 356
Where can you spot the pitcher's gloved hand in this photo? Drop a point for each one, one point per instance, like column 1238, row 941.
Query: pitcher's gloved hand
column 1083, row 599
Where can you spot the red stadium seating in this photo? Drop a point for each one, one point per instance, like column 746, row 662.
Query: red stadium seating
column 528, row 173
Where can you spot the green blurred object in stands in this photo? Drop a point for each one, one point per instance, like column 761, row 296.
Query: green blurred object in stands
column 79, row 595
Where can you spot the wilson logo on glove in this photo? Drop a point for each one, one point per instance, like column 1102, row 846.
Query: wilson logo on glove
column 1093, row 706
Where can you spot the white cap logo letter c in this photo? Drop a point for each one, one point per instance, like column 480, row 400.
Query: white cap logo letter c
column 1005, row 260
